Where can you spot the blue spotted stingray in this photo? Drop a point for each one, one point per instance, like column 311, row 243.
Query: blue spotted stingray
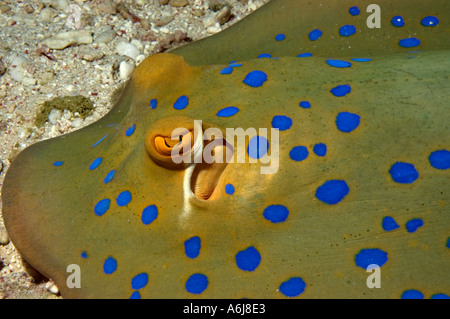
column 347, row 103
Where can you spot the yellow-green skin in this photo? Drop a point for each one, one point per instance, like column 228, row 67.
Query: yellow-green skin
column 403, row 104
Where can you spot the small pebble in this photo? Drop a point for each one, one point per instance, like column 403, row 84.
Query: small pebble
column 54, row 116
column 125, row 70
column 63, row 40
column 223, row 15
column 178, row 3
column 106, row 36
column 50, row 286
column 4, row 238
column 47, row 14
column 127, row 49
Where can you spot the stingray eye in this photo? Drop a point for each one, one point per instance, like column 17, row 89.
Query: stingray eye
column 174, row 142
column 165, row 146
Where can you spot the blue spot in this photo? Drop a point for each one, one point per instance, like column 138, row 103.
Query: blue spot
column 354, row 11
column 341, row 90
column 412, row 294
column 315, row 35
column 293, row 287
column 280, row 37
column 440, row 159
column 192, row 247
column 257, row 147
column 181, row 102
column 320, row 149
column 227, row 111
column 102, row 206
column 367, row 257
column 409, row 42
column 389, row 224
column 248, row 259
column 139, row 281
column 84, row 255
column 413, row 224
column 130, row 130
column 281, row 122
column 110, row 266
column 153, row 103
column 235, row 65
column 58, row 163
column 95, row 163
column 299, row 153
column 109, row 177
column 227, row 70
column 361, row 59
column 440, row 296
column 114, row 124
column 255, row 78
column 332, row 191
column 448, row 243
column 276, row 213
column 264, row 55
column 229, row 189
column 339, row 63
column 347, row 30
column 347, row 122
column 99, row 141
column 149, row 214
column 197, row 283
column 135, row 295
column 124, row 198
column 404, row 173
column 305, row 104
column 430, row 21
column 398, row 21
column 304, row 55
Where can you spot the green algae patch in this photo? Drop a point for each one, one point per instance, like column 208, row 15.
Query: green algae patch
column 77, row 103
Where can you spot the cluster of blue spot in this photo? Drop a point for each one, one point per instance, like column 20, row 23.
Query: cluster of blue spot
column 181, row 103
column 255, row 78
column 332, row 191
column 227, row 111
column 130, row 130
column 153, row 103
column 281, row 122
column 416, row 294
column 305, row 104
column 229, row 189
column 347, row 122
column 99, row 141
column 230, row 67
column 149, row 214
column 341, row 90
column 371, row 256
column 404, row 173
column 304, row 55
column 339, row 63
column 192, row 247
column 258, row 146
column 138, row 282
column 276, row 213
column 280, row 37
column 347, row 30
column 110, row 265
column 412, row 225
column 300, row 153
column 248, row 259
column 96, row 163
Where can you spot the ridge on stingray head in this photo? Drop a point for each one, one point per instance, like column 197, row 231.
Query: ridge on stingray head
column 164, row 197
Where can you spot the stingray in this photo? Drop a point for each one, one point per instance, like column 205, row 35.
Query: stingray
column 301, row 153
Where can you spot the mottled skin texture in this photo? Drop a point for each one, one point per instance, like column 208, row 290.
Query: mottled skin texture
column 403, row 104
